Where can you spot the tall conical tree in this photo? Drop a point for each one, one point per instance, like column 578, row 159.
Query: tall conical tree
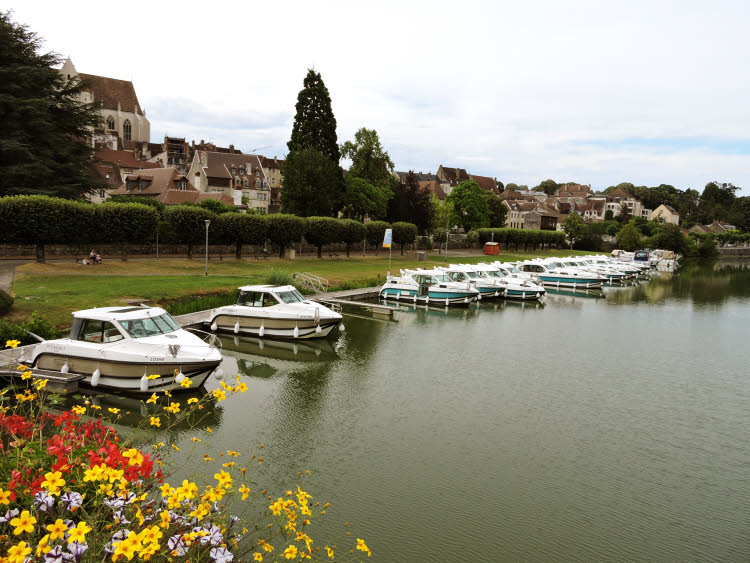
column 314, row 123
column 43, row 126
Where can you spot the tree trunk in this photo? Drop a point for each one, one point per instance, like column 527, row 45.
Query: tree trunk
column 124, row 251
column 320, row 251
column 190, row 251
column 402, row 250
column 238, row 251
column 281, row 250
column 40, row 253
column 347, row 249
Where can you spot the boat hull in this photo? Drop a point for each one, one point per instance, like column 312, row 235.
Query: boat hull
column 437, row 300
column 124, row 375
column 275, row 328
column 582, row 283
column 520, row 295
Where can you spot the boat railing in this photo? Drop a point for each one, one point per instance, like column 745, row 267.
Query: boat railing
column 312, row 281
column 208, row 337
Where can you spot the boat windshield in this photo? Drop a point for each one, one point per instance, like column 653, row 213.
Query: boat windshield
column 441, row 278
column 293, row 296
column 472, row 275
column 514, row 270
column 150, row 326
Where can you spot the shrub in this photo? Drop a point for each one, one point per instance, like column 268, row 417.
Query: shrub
column 352, row 232
column 241, row 228
column 18, row 331
column 284, row 229
column 151, row 202
column 424, row 243
column 404, row 233
column 278, row 277
column 125, row 223
column 323, row 230
column 6, row 302
column 707, row 248
column 218, row 207
column 376, row 232
column 187, row 224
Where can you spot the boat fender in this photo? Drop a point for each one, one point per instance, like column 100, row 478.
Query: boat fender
column 143, row 386
column 180, row 377
column 296, row 331
column 65, row 368
column 318, row 329
column 262, row 330
column 237, row 327
column 523, row 295
column 295, row 349
column 479, row 297
column 466, row 299
column 214, row 326
column 538, row 295
column 94, row 378
column 496, row 293
column 342, row 328
column 219, row 373
column 446, row 302
column 427, row 299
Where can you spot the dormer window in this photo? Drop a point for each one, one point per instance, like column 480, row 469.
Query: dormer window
column 234, row 170
column 242, row 169
column 183, row 185
column 257, row 172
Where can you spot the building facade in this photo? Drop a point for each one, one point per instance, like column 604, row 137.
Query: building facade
column 238, row 176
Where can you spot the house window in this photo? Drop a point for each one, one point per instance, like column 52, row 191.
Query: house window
column 102, row 194
column 257, row 172
column 110, row 123
column 245, row 182
column 242, row 169
column 127, row 133
column 234, row 170
column 262, row 196
column 183, row 185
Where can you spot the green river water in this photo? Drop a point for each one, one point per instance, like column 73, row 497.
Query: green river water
column 586, row 429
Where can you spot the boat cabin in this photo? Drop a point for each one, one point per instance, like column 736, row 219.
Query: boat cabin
column 427, row 279
column 111, row 324
column 269, row 295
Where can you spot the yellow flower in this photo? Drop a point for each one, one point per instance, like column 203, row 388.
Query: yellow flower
column 165, row 519
column 219, row 394
column 330, row 552
column 152, row 399
column 134, row 456
column 53, row 482
column 43, row 546
column 79, row 409
column 57, row 530
column 18, row 553
column 174, row 408
column 26, row 375
column 150, row 534
column 207, row 458
column 363, row 547
column 13, row 344
column 154, row 376
column 208, row 429
column 166, row 490
column 40, row 384
column 97, row 407
column 192, row 400
column 167, row 393
column 290, row 552
column 113, row 410
column 242, row 387
column 233, row 453
column 186, row 383
column 223, row 478
column 21, row 367
column 23, row 523
column 228, row 464
column 258, row 556
column 245, row 491
column 79, row 533
column 4, row 497
column 175, row 448
column 154, row 421
column 197, row 440
column 267, row 547
column 128, row 546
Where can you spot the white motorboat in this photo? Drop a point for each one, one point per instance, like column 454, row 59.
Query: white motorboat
column 511, row 287
column 613, row 275
column 129, row 348
column 553, row 274
column 275, row 311
column 429, row 287
column 510, row 270
column 488, row 286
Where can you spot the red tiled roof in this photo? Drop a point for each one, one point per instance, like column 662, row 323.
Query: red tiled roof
column 485, row 182
column 124, row 159
column 156, row 182
column 619, row 193
column 110, row 91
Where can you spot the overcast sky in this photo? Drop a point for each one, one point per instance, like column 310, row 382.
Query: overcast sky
column 597, row 92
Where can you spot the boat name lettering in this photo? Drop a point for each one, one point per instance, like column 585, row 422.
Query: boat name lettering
column 56, row 347
column 156, row 359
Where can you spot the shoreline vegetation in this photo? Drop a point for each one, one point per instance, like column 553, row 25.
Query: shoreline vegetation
column 58, row 288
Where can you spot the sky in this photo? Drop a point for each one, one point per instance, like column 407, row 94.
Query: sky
column 647, row 92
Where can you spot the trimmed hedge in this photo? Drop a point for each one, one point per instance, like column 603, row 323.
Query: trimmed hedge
column 125, row 223
column 522, row 236
column 284, row 230
column 352, row 232
column 404, row 233
column 323, row 230
column 242, row 228
column 376, row 232
column 188, row 224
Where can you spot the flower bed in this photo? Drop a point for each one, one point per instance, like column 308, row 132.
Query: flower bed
column 72, row 489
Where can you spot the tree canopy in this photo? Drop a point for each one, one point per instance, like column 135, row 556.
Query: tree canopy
column 313, row 184
column 314, row 123
column 411, row 203
column 547, row 186
column 470, row 208
column 362, row 199
column 629, row 237
column 370, row 161
column 43, row 126
column 574, row 227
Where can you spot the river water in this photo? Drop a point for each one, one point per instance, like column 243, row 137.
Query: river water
column 589, row 428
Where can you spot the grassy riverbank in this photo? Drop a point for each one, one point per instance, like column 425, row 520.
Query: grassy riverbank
column 56, row 288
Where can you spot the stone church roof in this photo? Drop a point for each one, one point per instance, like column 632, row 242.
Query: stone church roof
column 110, row 91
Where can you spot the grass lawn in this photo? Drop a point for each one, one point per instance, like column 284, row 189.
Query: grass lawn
column 55, row 289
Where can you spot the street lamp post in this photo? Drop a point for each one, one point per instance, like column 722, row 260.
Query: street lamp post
column 208, row 222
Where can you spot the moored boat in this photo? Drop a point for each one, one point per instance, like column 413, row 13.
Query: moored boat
column 429, row 287
column 274, row 312
column 129, row 348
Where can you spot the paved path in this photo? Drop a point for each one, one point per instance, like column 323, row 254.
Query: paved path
column 8, row 272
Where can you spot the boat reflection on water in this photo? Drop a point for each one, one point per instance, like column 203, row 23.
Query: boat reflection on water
column 584, row 293
column 264, row 358
column 134, row 412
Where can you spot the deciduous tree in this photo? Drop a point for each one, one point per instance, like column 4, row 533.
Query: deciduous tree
column 470, row 208
column 574, row 228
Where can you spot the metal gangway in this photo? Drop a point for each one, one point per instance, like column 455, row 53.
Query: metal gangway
column 311, row 282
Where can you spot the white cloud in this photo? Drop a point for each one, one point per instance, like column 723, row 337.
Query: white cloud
column 518, row 90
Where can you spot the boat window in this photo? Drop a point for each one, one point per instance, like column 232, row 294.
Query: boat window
column 472, row 275
column 441, row 278
column 257, row 299
column 98, row 331
column 150, row 326
column 293, row 296
column 456, row 276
